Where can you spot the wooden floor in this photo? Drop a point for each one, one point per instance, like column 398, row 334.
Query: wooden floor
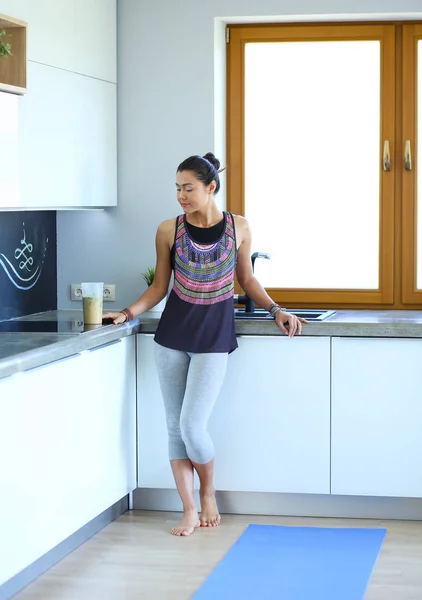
column 135, row 558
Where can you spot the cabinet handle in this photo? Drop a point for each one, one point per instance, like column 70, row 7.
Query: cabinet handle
column 52, row 362
column 101, row 346
column 387, row 156
column 408, row 156
column 254, row 337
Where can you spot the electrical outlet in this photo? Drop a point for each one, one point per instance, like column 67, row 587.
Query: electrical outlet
column 109, row 294
column 76, row 291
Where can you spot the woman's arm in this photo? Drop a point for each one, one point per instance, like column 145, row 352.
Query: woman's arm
column 251, row 285
column 158, row 289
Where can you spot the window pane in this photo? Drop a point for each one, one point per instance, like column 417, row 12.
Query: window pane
column 312, row 162
column 418, row 171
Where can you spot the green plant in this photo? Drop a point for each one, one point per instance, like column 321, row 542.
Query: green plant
column 148, row 275
column 5, row 47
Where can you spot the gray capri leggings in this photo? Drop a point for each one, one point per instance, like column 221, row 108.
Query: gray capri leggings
column 190, row 384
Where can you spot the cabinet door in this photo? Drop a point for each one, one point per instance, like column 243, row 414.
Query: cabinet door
column 271, row 424
column 376, row 417
column 96, row 142
column 47, row 139
column 76, row 35
column 9, row 150
column 111, row 371
column 95, row 39
column 153, row 464
column 51, row 29
column 68, row 431
column 68, row 141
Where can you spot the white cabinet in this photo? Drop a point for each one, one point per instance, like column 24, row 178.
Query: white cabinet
column 68, row 141
column 67, row 448
column 270, row 426
column 95, row 39
column 153, row 464
column 66, row 128
column 9, row 149
column 95, row 142
column 47, row 139
column 76, row 35
column 376, row 417
column 50, row 29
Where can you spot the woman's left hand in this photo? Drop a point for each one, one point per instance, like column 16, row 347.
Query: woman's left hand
column 294, row 323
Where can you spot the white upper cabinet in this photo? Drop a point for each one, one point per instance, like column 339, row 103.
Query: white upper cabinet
column 95, row 39
column 67, row 141
column 50, row 31
column 62, row 147
column 47, row 139
column 76, row 35
column 96, row 146
column 9, row 149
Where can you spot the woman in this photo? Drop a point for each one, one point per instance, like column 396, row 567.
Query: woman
column 205, row 248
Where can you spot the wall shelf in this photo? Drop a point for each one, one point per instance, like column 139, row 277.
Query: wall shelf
column 13, row 68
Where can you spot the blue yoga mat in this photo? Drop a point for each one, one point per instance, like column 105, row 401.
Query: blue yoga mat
column 269, row 562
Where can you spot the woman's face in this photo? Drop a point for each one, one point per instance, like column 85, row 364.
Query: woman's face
column 192, row 194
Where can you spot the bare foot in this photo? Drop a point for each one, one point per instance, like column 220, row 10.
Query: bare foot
column 188, row 524
column 210, row 517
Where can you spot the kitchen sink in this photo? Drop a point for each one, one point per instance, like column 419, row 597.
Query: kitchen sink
column 309, row 314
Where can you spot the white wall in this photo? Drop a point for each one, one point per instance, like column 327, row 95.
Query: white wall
column 169, row 54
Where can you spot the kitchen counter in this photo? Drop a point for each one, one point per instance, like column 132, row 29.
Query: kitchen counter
column 23, row 351
column 344, row 323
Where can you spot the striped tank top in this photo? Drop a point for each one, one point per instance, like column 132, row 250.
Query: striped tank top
column 199, row 315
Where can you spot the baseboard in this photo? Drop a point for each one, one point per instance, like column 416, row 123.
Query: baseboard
column 43, row 564
column 303, row 505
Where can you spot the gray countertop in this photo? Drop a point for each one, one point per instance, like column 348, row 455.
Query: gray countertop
column 23, row 351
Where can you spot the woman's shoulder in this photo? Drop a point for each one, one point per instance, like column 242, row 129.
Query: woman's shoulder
column 167, row 225
column 240, row 222
column 167, row 230
column 243, row 232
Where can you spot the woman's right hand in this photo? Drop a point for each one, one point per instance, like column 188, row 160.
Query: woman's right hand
column 117, row 317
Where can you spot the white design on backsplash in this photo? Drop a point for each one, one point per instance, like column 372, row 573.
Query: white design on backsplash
column 26, row 264
column 21, row 252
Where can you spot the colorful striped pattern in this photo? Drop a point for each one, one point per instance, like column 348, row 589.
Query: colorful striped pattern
column 204, row 274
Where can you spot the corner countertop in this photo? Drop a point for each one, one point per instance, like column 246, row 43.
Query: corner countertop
column 24, row 351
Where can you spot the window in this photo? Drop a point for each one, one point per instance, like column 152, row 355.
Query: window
column 412, row 163
column 322, row 160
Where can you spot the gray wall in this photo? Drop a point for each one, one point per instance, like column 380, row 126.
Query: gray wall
column 171, row 60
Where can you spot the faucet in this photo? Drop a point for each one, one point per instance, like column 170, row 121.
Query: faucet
column 256, row 255
column 244, row 298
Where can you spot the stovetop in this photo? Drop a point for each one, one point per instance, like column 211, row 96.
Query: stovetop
column 65, row 326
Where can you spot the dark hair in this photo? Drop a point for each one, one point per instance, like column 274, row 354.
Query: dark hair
column 206, row 168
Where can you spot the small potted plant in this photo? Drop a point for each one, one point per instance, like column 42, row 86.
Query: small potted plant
column 5, row 47
column 148, row 277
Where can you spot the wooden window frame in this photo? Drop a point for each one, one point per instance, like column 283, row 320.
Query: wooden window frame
column 411, row 35
column 385, row 295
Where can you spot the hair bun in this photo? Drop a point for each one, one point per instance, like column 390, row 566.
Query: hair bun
column 213, row 160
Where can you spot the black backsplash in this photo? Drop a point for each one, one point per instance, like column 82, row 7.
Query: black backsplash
column 28, row 263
